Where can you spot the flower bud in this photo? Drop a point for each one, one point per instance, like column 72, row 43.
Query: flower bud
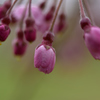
column 85, row 24
column 4, row 32
column 48, row 37
column 60, row 24
column 6, row 20
column 19, row 47
column 44, row 58
column 49, row 15
column 29, row 22
column 92, row 41
column 42, row 4
column 20, row 34
column 30, row 34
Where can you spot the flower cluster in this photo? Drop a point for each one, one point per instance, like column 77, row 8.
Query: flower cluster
column 32, row 19
column 91, row 34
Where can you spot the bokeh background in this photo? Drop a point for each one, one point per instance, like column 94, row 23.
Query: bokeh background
column 76, row 75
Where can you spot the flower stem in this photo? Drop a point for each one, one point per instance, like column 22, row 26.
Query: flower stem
column 30, row 1
column 12, row 7
column 55, row 16
column 89, row 11
column 81, row 9
column 23, row 15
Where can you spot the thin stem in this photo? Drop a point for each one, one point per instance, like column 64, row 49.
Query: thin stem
column 12, row 7
column 23, row 16
column 89, row 11
column 81, row 9
column 30, row 1
column 55, row 16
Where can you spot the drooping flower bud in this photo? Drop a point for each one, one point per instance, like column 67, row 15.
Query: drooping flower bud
column 30, row 34
column 6, row 20
column 92, row 41
column 48, row 38
column 29, row 22
column 4, row 32
column 85, row 24
column 20, row 34
column 42, row 4
column 61, row 24
column 19, row 47
column 44, row 58
column 49, row 15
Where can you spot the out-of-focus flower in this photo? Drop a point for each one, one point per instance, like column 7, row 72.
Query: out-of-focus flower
column 61, row 23
column 42, row 4
column 30, row 34
column 4, row 8
column 4, row 32
column 19, row 47
column 36, row 13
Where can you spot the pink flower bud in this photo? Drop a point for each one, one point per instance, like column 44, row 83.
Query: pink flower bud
column 61, row 24
column 85, row 24
column 29, row 22
column 20, row 34
column 19, row 47
column 6, row 20
column 48, row 38
column 44, row 58
column 30, row 34
column 4, row 32
column 92, row 41
column 49, row 15
column 42, row 4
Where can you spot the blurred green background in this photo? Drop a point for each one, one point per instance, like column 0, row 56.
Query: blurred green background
column 76, row 75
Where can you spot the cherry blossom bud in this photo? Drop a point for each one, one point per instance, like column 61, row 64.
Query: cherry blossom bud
column 61, row 24
column 19, row 47
column 4, row 32
column 44, row 58
column 48, row 38
column 92, row 41
column 49, row 15
column 42, row 4
column 30, row 34
column 29, row 22
column 85, row 24
column 20, row 34
column 6, row 20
